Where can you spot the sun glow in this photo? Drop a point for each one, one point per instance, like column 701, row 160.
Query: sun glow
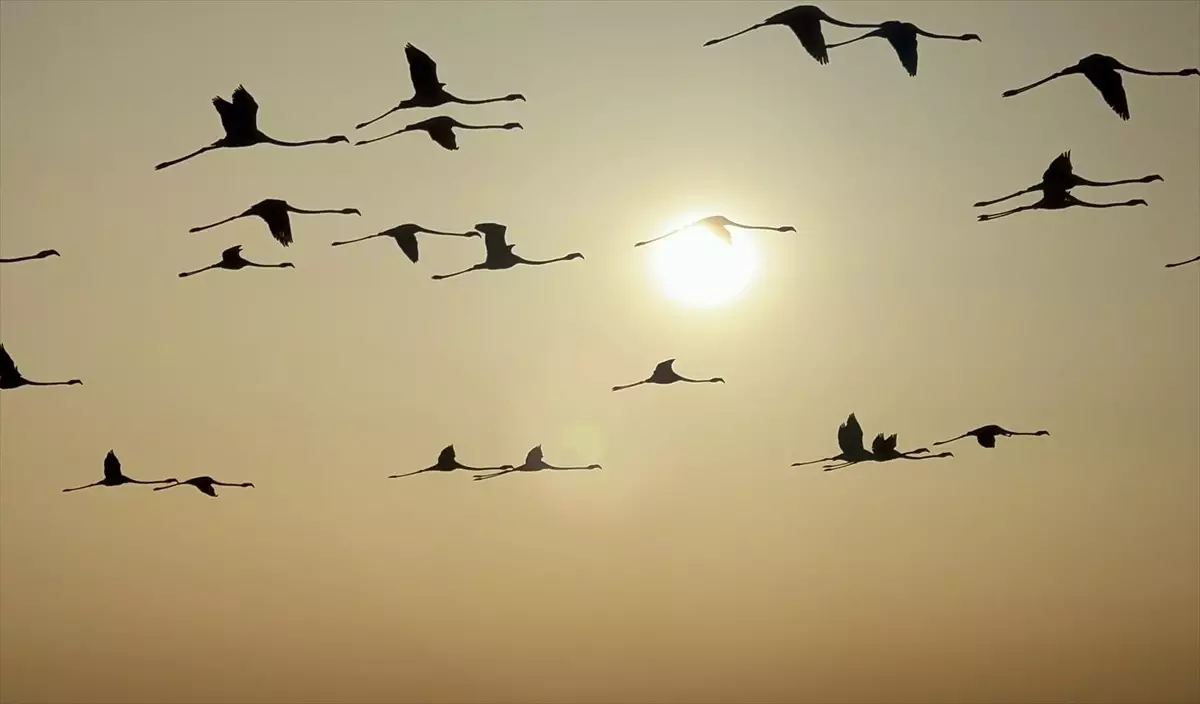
column 698, row 268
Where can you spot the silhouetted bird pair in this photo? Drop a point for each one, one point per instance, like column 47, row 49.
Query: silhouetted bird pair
column 1057, row 180
column 113, row 476
column 534, row 462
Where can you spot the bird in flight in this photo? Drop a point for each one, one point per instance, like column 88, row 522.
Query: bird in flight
column 1058, row 200
column 274, row 212
column 1186, row 261
column 406, row 238
column 534, row 462
column 1061, row 176
column 805, row 22
column 114, row 477
column 232, row 260
column 428, row 91
column 664, row 373
column 447, row 462
column 10, row 376
column 903, row 38
column 987, row 434
column 500, row 253
column 850, row 444
column 40, row 255
column 240, row 120
column 204, row 484
column 883, row 449
column 1102, row 70
column 718, row 225
column 441, row 130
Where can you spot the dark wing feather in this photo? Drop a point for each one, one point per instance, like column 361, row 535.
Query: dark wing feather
column 664, row 368
column 879, row 445
column 446, row 456
column 534, row 456
column 986, row 439
column 8, row 368
column 280, row 225
column 1109, row 83
column 205, row 487
column 246, row 106
column 850, row 436
column 1060, row 170
column 494, row 241
column 422, row 69
column 112, row 466
column 905, row 44
column 234, row 253
column 444, row 137
column 408, row 244
column 811, row 38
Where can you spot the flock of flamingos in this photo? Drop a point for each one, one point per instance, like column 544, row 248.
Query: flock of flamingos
column 239, row 118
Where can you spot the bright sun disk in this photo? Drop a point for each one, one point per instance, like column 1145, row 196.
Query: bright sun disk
column 697, row 268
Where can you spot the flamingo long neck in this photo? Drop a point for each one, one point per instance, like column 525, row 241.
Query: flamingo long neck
column 1153, row 73
column 280, row 143
column 710, row 42
column 360, row 239
column 52, row 383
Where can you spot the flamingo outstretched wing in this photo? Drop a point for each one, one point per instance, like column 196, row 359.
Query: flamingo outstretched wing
column 422, row 69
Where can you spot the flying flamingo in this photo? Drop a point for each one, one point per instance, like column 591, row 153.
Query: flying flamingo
column 274, row 212
column 884, row 450
column 428, row 91
column 1186, row 261
column 1058, row 200
column 40, row 255
column 500, row 253
column 406, row 238
column 850, row 442
column 986, row 435
column 204, row 484
column 232, row 260
column 718, row 225
column 664, row 373
column 533, row 463
column 805, row 22
column 113, row 476
column 1060, row 176
column 240, row 120
column 10, row 376
column 441, row 130
column 1102, row 70
column 447, row 462
column 903, row 38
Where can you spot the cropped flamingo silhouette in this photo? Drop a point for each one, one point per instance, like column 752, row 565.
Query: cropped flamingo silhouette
column 441, row 130
column 987, row 434
column 40, row 255
column 428, row 91
column 718, row 225
column 232, row 260
column 903, row 38
column 204, row 484
column 805, row 22
column 447, row 462
column 240, row 120
column 1058, row 200
column 664, row 373
column 274, row 212
column 406, row 238
column 1186, row 261
column 850, row 442
column 500, row 253
column 883, row 449
column 10, row 376
column 1061, row 176
column 534, row 462
column 114, row 477
column 1102, row 70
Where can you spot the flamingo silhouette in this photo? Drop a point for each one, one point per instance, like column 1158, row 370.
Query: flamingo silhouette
column 500, row 253
column 406, row 238
column 1186, row 261
column 1058, row 200
column 428, row 91
column 533, row 463
column 903, row 38
column 232, row 260
column 805, row 22
column 986, row 435
column 883, row 449
column 447, row 462
column 204, row 484
column 40, row 255
column 10, row 376
column 664, row 373
column 850, row 442
column 1061, row 176
column 114, row 477
column 240, row 120
column 1102, row 70
column 274, row 212
column 718, row 225
column 441, row 130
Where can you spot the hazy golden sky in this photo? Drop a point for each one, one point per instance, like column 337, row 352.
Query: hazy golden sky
column 697, row 566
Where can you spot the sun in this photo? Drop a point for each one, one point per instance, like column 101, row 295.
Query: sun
column 698, row 268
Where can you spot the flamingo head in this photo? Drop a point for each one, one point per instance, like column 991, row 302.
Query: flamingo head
column 1152, row 178
column 512, row 126
column 573, row 255
column 349, row 211
column 47, row 253
column 338, row 138
column 1190, row 72
column 1042, row 432
column 515, row 96
column 287, row 265
column 74, row 382
column 969, row 37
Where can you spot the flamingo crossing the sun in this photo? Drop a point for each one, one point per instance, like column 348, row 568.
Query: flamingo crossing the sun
column 448, row 462
column 1102, row 71
column 441, row 130
column 850, row 444
column 406, row 238
column 500, row 253
column 1186, row 261
column 534, row 462
column 240, row 120
column 232, row 260
column 1061, row 176
column 10, row 376
column 986, row 435
column 1058, row 200
column 903, row 38
column 114, row 477
column 428, row 90
column 204, row 484
column 40, row 255
column 805, row 22
column 664, row 373
column 274, row 212
column 718, row 225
